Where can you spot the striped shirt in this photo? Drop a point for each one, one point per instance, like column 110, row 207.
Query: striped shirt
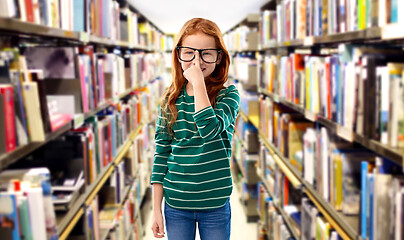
column 194, row 164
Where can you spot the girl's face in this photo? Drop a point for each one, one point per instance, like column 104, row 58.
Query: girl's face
column 200, row 41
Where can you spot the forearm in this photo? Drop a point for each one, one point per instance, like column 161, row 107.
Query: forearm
column 158, row 193
column 201, row 97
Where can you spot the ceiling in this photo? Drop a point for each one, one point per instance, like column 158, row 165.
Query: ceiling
column 170, row 15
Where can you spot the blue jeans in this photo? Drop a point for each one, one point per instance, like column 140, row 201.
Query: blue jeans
column 213, row 224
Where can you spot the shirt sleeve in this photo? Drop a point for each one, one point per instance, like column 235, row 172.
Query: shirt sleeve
column 163, row 149
column 212, row 122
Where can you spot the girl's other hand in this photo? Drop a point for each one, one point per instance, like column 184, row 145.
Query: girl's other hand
column 158, row 225
column 194, row 73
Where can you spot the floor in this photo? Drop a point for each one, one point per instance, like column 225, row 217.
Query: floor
column 240, row 229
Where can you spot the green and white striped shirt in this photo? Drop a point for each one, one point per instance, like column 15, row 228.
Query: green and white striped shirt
column 194, row 164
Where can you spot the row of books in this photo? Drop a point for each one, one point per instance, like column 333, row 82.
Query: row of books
column 31, row 196
column 244, row 70
column 341, row 173
column 105, row 18
column 244, row 159
column 297, row 19
column 315, row 155
column 245, row 149
column 277, row 183
column 363, row 184
column 115, row 208
column 88, row 150
column 248, row 135
column 272, row 221
column 242, row 38
column 279, row 201
column 121, row 196
column 249, row 102
column 336, row 86
column 40, row 91
column 284, row 129
column 26, row 209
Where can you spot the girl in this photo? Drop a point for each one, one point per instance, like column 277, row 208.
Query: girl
column 193, row 134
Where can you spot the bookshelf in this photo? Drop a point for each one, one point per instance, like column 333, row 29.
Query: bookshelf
column 295, row 232
column 344, row 225
column 317, row 31
column 23, row 29
column 395, row 154
column 371, row 34
column 132, row 105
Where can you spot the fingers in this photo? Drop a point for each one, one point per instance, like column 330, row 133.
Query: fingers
column 197, row 60
column 158, row 230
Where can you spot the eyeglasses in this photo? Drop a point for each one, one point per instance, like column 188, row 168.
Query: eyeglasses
column 187, row 54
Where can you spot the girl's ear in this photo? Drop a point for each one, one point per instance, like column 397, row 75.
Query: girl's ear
column 220, row 58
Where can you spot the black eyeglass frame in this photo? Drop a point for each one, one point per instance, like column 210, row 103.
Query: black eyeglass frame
column 200, row 53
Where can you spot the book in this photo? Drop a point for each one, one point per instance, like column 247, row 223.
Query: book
column 37, row 212
column 33, row 109
column 296, row 132
column 89, row 51
column 64, row 200
column 382, row 205
column 322, row 228
column 308, row 215
column 23, row 216
column 351, row 180
column 19, row 109
column 9, row 227
column 8, row 9
column 364, row 199
column 7, row 95
column 37, row 76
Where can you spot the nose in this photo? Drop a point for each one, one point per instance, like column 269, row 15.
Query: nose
column 199, row 55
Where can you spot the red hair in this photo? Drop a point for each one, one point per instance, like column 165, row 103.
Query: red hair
column 214, row 83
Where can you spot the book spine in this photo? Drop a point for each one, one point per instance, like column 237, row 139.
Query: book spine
column 23, row 214
column 363, row 208
column 9, row 115
column 394, row 11
column 37, row 76
column 370, row 213
column 9, row 215
column 37, row 213
column 35, row 124
column 78, row 17
column 30, row 10
column 84, row 97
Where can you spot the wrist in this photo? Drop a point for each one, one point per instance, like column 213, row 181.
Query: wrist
column 199, row 86
column 156, row 211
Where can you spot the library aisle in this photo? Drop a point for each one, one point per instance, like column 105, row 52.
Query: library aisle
column 240, row 228
column 317, row 150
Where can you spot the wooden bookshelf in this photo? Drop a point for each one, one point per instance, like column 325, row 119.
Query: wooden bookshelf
column 395, row 154
column 17, row 33
column 66, row 223
column 287, row 219
column 344, row 225
column 30, row 30
column 251, row 20
column 254, row 120
column 7, row 159
column 104, row 232
column 374, row 33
